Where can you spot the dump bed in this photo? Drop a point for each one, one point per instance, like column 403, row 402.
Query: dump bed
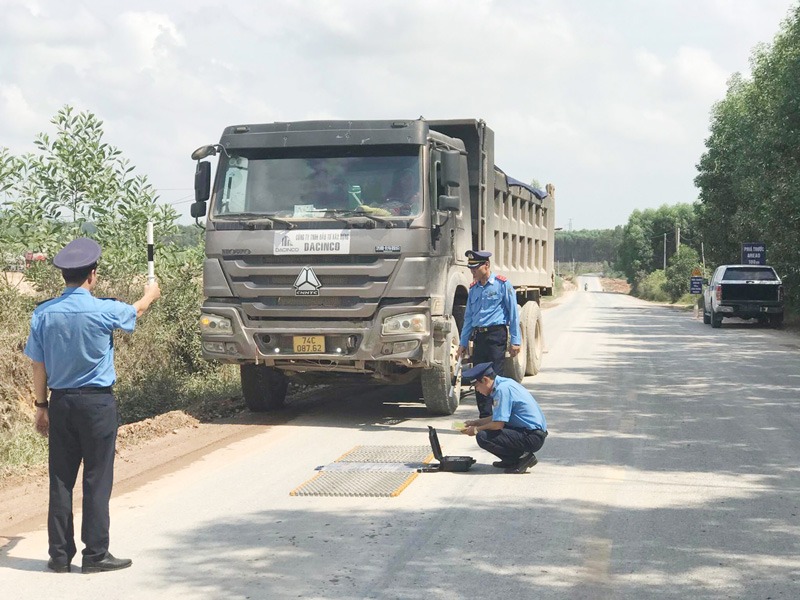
column 512, row 220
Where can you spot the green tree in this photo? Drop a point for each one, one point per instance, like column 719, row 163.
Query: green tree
column 77, row 180
column 679, row 271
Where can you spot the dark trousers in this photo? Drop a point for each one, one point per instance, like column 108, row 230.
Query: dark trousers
column 83, row 427
column 510, row 442
column 489, row 346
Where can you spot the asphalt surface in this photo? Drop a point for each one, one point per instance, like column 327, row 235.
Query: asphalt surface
column 670, row 472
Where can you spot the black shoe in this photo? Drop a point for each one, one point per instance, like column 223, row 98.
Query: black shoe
column 109, row 563
column 504, row 464
column 59, row 567
column 526, row 461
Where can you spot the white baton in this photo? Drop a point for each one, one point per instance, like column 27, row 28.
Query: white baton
column 151, row 266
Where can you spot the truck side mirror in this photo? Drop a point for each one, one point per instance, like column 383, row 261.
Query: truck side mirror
column 198, row 210
column 449, row 203
column 451, row 167
column 705, row 281
column 202, row 182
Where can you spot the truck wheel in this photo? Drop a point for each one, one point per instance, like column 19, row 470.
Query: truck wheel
column 263, row 388
column 716, row 320
column 533, row 334
column 515, row 367
column 776, row 320
column 436, row 381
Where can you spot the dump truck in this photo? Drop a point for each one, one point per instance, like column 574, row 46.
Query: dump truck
column 335, row 252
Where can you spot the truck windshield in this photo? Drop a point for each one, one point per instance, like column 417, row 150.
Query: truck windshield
column 382, row 181
column 749, row 274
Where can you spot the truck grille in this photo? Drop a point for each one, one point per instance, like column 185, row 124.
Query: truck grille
column 351, row 285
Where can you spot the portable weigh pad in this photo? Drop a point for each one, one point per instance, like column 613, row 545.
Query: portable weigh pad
column 373, row 471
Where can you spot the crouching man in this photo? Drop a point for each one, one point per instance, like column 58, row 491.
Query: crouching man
column 516, row 429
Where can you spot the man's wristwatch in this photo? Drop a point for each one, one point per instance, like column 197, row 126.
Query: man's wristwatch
column 44, row 404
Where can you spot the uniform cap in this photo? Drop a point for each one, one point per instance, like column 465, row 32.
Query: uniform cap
column 476, row 258
column 478, row 371
column 78, row 254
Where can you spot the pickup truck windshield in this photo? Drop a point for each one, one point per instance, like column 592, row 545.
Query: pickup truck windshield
column 749, row 274
column 308, row 184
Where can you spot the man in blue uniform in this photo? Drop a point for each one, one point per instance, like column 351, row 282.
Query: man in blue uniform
column 491, row 316
column 71, row 348
column 517, row 427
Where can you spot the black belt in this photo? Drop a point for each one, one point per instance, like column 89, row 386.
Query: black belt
column 539, row 432
column 83, row 390
column 489, row 328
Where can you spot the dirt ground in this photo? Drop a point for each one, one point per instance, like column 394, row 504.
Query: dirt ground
column 16, row 279
column 615, row 285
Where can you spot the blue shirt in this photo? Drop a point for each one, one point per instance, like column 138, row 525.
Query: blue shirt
column 514, row 405
column 492, row 304
column 71, row 335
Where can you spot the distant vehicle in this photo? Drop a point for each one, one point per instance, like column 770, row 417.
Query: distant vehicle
column 744, row 291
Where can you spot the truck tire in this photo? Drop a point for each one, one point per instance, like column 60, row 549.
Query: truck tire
column 436, row 381
column 706, row 317
column 515, row 367
column 776, row 320
column 533, row 334
column 716, row 320
column 263, row 388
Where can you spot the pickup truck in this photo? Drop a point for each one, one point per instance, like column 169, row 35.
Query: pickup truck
column 744, row 291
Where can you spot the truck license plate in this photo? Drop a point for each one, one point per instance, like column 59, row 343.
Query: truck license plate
column 309, row 344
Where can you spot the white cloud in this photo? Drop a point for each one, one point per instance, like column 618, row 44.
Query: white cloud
column 576, row 95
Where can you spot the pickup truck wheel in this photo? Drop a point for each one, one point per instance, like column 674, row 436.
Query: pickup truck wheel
column 716, row 320
column 263, row 388
column 436, row 381
column 533, row 335
column 776, row 320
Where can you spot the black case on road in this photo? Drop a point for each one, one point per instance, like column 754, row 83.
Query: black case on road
column 448, row 463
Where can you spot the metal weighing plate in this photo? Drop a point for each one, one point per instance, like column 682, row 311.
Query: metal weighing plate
column 376, row 471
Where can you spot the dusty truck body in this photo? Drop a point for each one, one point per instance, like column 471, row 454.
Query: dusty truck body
column 319, row 270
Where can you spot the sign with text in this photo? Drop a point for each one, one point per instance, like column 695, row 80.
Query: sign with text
column 754, row 253
column 696, row 285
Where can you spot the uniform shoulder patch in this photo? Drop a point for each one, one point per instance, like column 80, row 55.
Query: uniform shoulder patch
column 501, row 278
column 471, row 285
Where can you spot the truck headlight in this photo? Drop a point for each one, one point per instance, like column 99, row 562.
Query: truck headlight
column 215, row 325
column 410, row 323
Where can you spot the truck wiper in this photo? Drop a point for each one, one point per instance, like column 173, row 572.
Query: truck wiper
column 363, row 213
column 256, row 218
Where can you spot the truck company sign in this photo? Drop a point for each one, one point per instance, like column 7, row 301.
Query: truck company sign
column 754, row 253
column 312, row 242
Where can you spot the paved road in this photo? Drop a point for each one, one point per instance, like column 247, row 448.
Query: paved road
column 670, row 472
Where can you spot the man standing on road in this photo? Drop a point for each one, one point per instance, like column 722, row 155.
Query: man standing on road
column 71, row 348
column 517, row 427
column 491, row 315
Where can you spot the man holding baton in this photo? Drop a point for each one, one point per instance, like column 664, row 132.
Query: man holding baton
column 72, row 352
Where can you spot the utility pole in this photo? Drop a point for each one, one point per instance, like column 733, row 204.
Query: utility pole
column 677, row 238
column 665, row 252
column 703, row 255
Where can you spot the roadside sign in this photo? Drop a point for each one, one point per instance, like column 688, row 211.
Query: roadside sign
column 696, row 272
column 754, row 253
column 696, row 285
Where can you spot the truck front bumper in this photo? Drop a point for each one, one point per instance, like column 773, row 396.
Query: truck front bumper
column 348, row 346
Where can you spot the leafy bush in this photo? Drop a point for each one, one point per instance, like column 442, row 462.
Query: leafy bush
column 679, row 272
column 652, row 287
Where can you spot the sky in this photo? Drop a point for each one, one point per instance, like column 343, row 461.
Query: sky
column 609, row 101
